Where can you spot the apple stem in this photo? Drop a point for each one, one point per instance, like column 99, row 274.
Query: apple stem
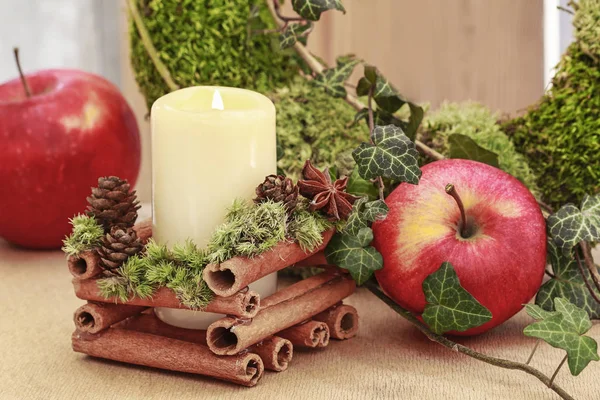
column 21, row 74
column 451, row 190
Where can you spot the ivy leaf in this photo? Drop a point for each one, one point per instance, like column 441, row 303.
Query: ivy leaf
column 569, row 225
column 462, row 146
column 416, row 117
column 333, row 79
column 361, row 187
column 384, row 94
column 537, row 312
column 354, row 253
column 449, row 306
column 375, row 211
column 356, row 221
column 312, row 9
column 567, row 282
column 393, row 155
column 565, row 330
column 291, row 34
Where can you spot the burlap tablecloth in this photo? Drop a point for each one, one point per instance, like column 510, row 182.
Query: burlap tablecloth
column 388, row 360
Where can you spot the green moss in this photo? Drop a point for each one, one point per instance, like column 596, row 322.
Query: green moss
column 587, row 26
column 561, row 134
column 210, row 42
column 86, row 235
column 312, row 125
column 480, row 124
column 248, row 230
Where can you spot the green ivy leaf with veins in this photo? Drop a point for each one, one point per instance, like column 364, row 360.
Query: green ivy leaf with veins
column 449, row 306
column 568, row 283
column 565, row 329
column 364, row 212
column 361, row 187
column 354, row 253
column 291, row 34
column 333, row 79
column 392, row 156
column 570, row 225
column 462, row 146
column 312, row 9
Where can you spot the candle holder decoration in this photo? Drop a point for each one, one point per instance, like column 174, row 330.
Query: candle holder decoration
column 126, row 278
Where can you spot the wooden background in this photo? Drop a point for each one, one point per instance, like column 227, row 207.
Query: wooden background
column 432, row 50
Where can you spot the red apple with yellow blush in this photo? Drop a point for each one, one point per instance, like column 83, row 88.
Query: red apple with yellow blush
column 499, row 255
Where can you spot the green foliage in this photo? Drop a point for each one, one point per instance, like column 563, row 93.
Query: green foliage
column 587, row 26
column 389, row 102
column 351, row 248
column 567, row 282
column 292, row 33
column 392, row 155
column 353, row 252
column 311, row 125
column 86, row 235
column 480, row 124
column 449, row 306
column 462, row 146
column 359, row 186
column 560, row 135
column 565, row 329
column 570, row 225
column 210, row 42
column 333, row 80
column 312, row 9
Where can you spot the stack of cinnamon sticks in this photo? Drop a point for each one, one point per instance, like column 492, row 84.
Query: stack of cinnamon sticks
column 256, row 334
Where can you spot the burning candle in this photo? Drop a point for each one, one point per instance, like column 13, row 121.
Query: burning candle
column 210, row 145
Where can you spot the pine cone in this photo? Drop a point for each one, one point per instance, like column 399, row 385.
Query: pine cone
column 279, row 189
column 112, row 204
column 117, row 246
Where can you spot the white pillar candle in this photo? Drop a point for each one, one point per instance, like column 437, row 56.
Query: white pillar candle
column 210, row 145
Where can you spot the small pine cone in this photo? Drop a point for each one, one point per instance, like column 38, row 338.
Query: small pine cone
column 279, row 189
column 112, row 204
column 117, row 246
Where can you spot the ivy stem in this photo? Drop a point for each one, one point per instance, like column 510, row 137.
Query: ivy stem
column 498, row 362
column 371, row 130
column 557, row 369
column 587, row 256
column 162, row 70
column 532, row 352
column 21, row 74
column 282, row 17
column 451, row 190
column 585, row 280
column 550, row 274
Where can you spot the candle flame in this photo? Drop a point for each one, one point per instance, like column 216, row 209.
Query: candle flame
column 217, row 102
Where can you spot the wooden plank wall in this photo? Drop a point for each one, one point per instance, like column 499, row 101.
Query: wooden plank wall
column 432, row 50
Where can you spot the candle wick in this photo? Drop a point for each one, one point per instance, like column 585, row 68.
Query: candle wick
column 217, row 102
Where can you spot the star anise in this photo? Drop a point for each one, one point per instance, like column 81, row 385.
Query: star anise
column 325, row 195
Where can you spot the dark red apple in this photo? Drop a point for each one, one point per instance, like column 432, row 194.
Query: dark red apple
column 74, row 128
column 499, row 256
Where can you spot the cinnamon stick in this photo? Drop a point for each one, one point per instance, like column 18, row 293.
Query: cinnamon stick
column 162, row 352
column 315, row 260
column 342, row 321
column 275, row 352
column 149, row 323
column 95, row 317
column 229, row 277
column 243, row 304
column 86, row 265
column 230, row 335
column 310, row 334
